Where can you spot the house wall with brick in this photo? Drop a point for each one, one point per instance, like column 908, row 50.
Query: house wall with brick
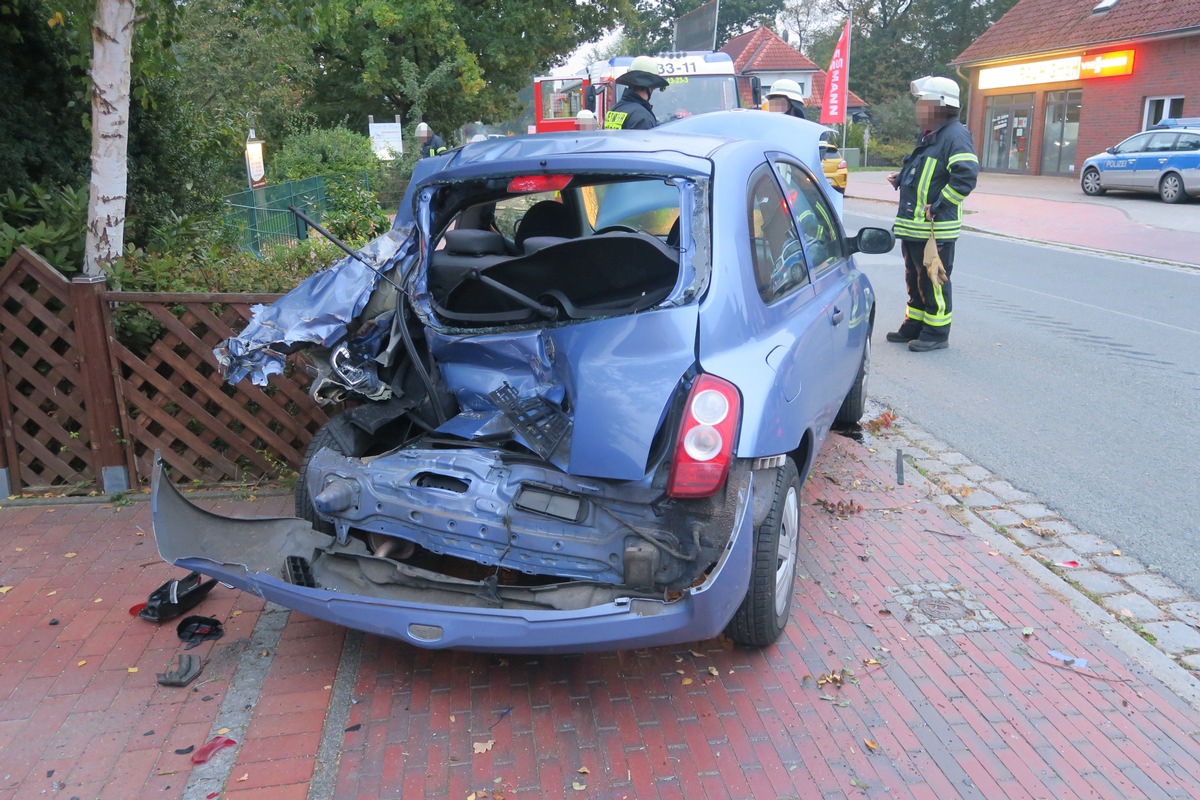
column 1113, row 108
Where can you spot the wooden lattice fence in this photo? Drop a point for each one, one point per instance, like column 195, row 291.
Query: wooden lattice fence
column 93, row 382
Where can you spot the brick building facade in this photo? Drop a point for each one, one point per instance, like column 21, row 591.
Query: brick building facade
column 1056, row 81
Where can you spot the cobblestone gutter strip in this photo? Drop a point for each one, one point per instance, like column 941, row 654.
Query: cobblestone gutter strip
column 324, row 780
column 1150, row 618
column 243, row 695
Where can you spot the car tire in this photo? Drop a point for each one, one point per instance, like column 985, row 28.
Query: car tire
column 1090, row 182
column 856, row 399
column 1170, row 188
column 323, row 438
column 761, row 617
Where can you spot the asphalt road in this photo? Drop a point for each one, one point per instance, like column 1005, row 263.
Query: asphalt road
column 1074, row 376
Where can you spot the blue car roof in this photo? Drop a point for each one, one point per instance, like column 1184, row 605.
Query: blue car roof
column 686, row 147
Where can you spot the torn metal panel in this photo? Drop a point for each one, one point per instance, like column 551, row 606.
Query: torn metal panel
column 319, row 311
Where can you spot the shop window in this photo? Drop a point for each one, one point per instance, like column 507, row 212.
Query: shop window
column 1160, row 108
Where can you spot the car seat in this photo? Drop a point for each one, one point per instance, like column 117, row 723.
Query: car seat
column 546, row 218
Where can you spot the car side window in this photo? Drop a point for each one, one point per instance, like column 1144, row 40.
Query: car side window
column 815, row 219
column 1135, row 144
column 1161, row 143
column 776, row 252
column 1188, row 142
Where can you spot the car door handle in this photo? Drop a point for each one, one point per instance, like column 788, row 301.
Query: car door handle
column 838, row 315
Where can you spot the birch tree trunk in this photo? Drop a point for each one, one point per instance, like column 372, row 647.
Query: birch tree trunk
column 112, row 52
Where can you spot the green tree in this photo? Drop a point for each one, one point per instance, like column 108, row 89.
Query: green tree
column 239, row 58
column 895, row 41
column 448, row 62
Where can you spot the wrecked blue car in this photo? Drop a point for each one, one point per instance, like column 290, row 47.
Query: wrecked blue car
column 590, row 373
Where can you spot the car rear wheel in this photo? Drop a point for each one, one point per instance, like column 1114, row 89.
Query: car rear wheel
column 1091, row 182
column 326, row 436
column 856, row 400
column 1170, row 188
column 764, row 612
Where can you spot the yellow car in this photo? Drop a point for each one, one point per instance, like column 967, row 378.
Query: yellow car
column 834, row 166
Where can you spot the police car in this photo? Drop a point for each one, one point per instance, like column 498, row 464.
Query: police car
column 1164, row 160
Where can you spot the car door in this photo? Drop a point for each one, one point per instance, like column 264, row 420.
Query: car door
column 792, row 320
column 1186, row 159
column 1153, row 160
column 1118, row 170
column 831, row 271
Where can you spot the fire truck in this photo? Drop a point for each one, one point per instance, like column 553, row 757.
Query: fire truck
column 699, row 82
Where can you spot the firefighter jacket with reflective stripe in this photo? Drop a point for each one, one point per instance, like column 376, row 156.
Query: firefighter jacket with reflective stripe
column 940, row 172
column 632, row 113
column 434, row 147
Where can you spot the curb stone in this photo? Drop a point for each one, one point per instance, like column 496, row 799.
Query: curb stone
column 1035, row 538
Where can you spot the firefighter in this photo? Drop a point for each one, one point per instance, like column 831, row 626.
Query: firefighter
column 634, row 112
column 431, row 143
column 785, row 96
column 933, row 181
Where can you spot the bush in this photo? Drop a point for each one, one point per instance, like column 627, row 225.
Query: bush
column 328, row 151
column 52, row 223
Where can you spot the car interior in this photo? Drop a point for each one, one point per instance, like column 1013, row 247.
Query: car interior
column 556, row 256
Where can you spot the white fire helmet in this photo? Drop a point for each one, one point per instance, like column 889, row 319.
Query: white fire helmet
column 423, row 129
column 786, row 87
column 942, row 90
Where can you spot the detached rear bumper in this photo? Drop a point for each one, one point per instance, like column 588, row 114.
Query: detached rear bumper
column 250, row 554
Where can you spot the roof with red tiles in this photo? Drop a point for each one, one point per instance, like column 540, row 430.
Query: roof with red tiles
column 818, row 94
column 1037, row 26
column 761, row 50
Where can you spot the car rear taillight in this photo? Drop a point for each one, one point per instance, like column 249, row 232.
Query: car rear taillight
column 841, row 165
column 704, row 446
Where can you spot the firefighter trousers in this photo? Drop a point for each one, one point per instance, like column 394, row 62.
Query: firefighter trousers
column 928, row 314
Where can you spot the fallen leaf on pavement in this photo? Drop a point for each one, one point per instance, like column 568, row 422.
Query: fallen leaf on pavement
column 1027, row 631
column 687, row 681
column 81, row 663
column 871, row 745
column 245, row 777
column 133, row 669
column 577, row 786
column 584, row 771
column 70, row 555
column 1116, row 552
column 714, row 671
column 5, row 589
column 483, row 747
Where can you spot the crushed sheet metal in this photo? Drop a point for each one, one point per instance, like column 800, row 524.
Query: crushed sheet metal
column 318, row 311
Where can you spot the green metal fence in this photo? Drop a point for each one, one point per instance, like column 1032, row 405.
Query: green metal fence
column 261, row 217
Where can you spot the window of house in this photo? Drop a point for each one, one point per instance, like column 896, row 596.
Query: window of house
column 1159, row 108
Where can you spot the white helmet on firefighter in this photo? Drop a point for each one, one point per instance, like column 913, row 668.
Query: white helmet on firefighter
column 424, row 131
column 786, row 87
column 941, row 90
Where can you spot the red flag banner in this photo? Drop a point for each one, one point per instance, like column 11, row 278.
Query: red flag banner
column 833, row 107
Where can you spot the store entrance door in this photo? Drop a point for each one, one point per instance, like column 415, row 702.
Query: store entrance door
column 1061, row 131
column 1006, row 132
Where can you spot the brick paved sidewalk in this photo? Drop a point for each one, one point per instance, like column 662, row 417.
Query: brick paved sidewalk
column 904, row 672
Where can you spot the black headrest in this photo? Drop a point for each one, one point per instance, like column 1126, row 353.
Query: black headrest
column 474, row 242
column 546, row 218
column 535, row 243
